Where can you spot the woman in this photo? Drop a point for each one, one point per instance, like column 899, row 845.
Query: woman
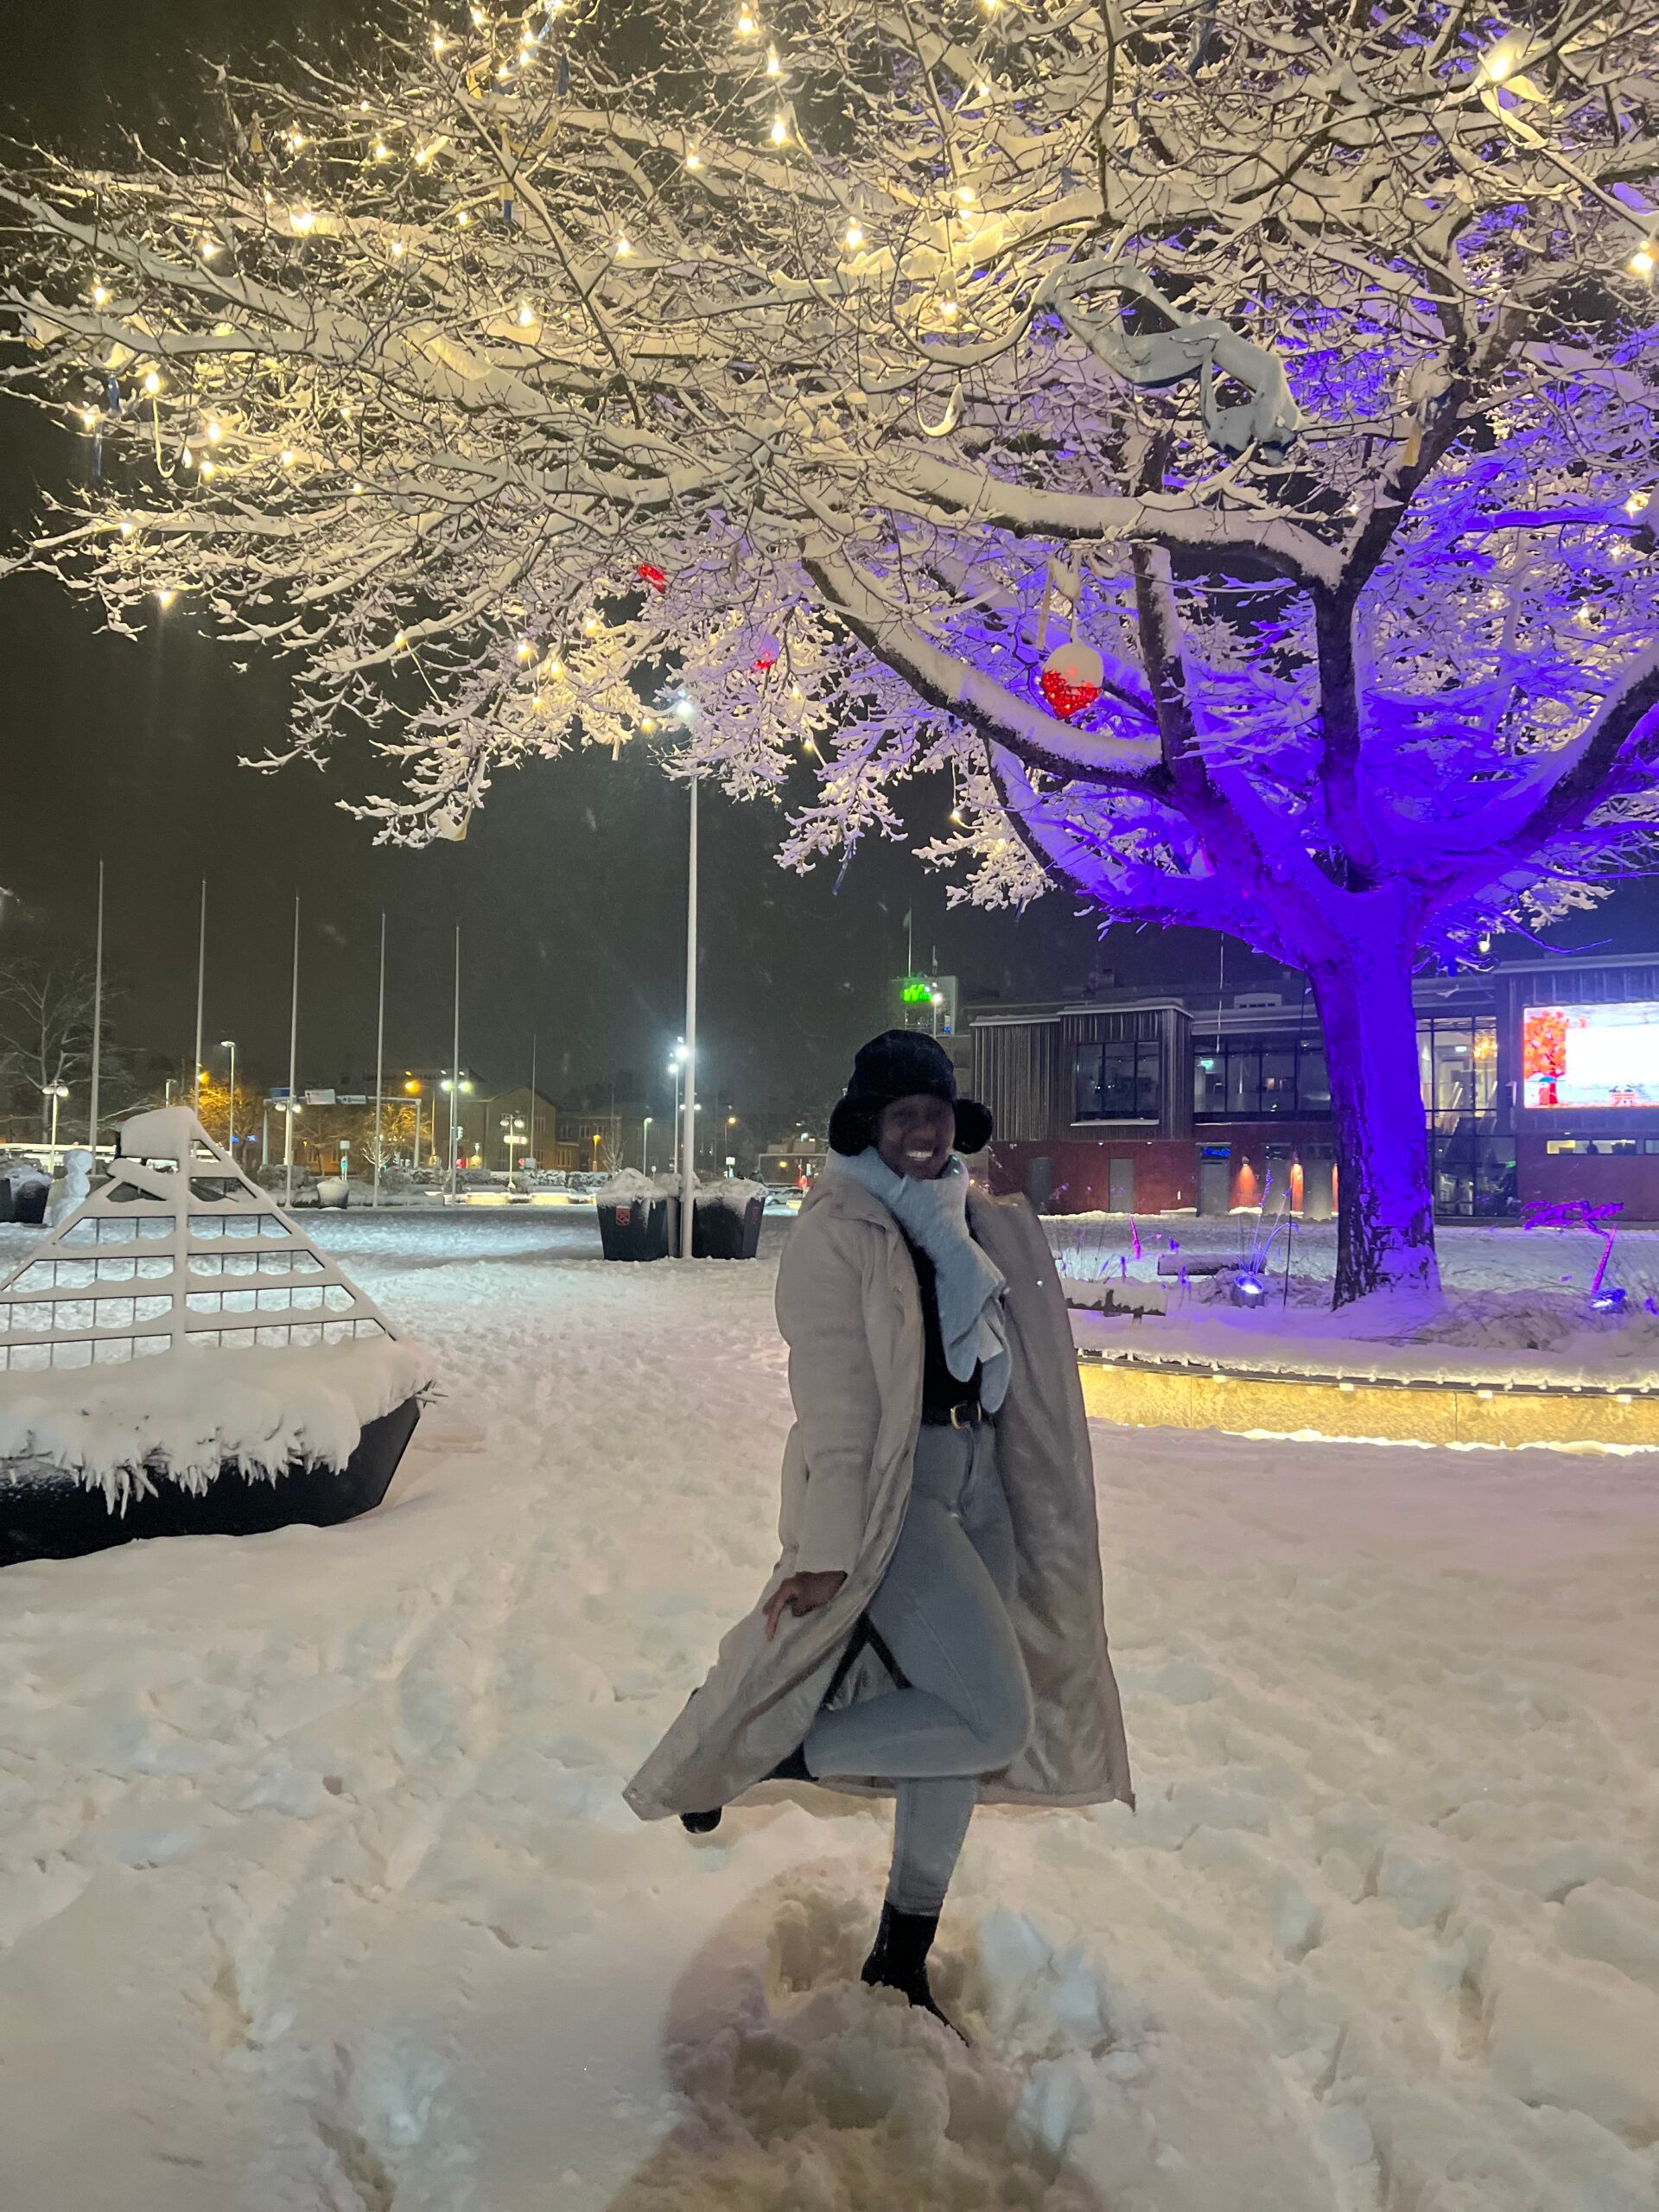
column 934, row 1625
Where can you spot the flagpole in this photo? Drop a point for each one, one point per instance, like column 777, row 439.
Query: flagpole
column 689, row 1154
column 454, row 1066
column 379, row 1061
column 97, row 1015
column 293, row 1064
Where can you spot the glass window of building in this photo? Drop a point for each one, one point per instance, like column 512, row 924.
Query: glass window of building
column 1209, row 1082
column 1118, row 1081
column 1456, row 1064
column 1252, row 1081
column 1279, row 1080
column 1243, row 1079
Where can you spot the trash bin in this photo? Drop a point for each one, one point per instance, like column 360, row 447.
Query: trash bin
column 719, row 1231
column 638, row 1229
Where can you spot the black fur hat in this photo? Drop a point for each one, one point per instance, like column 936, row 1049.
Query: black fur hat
column 900, row 1063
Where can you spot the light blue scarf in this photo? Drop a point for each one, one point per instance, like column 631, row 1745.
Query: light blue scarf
column 967, row 1283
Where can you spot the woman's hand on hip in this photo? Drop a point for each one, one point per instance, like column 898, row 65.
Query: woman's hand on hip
column 801, row 1593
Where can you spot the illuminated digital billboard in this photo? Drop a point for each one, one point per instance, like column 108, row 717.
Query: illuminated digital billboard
column 1590, row 1055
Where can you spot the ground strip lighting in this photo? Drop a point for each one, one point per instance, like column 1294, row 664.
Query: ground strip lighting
column 1168, row 1394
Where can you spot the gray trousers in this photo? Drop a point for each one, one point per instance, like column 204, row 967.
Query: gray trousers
column 940, row 1610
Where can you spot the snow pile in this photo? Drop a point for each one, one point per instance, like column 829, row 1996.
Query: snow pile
column 627, row 1186
column 316, row 1887
column 731, row 1192
column 181, row 1414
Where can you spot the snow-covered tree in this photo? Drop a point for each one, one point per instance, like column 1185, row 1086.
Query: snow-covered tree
column 1217, row 436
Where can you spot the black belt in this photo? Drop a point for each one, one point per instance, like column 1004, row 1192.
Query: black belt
column 969, row 1415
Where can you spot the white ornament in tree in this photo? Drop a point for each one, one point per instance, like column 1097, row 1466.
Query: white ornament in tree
column 1071, row 678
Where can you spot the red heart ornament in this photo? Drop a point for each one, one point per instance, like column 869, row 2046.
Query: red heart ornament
column 653, row 576
column 1065, row 699
column 1071, row 678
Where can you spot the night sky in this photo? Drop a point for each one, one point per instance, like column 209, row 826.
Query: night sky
column 570, row 888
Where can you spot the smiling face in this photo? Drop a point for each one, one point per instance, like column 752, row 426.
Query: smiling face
column 914, row 1136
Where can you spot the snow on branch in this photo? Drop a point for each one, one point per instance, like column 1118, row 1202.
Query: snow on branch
column 791, row 402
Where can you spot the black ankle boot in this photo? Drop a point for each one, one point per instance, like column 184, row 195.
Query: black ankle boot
column 792, row 1768
column 897, row 1959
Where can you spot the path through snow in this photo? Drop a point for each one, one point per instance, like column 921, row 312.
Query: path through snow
column 316, row 1889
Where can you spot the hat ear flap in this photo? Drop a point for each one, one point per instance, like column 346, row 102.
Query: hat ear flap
column 974, row 1125
column 850, row 1129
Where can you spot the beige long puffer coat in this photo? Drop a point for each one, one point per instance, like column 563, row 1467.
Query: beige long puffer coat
column 850, row 1312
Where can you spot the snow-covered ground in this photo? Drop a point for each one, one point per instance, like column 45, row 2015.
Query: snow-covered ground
column 1516, row 1303
column 316, row 1889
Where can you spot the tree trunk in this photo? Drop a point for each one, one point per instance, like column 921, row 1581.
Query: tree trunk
column 1385, row 1212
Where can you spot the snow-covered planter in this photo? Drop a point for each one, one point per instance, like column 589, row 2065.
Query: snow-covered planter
column 199, row 1443
column 24, row 1191
column 638, row 1215
column 726, row 1220
column 177, row 1358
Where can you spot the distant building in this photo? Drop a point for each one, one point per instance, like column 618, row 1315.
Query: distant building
column 931, row 1003
column 795, row 1157
column 1541, row 1080
column 533, row 1131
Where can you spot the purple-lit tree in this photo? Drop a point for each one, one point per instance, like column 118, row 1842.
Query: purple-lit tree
column 1272, row 380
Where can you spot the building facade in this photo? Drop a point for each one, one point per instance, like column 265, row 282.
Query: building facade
column 1539, row 1081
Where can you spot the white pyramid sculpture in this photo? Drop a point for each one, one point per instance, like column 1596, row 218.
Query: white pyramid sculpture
column 176, row 1248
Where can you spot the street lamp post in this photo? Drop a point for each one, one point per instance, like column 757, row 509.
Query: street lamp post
column 512, row 1131
column 56, row 1092
column 645, row 1145
column 228, row 1044
column 289, row 1108
column 454, row 1084
column 412, row 1085
column 676, row 1153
